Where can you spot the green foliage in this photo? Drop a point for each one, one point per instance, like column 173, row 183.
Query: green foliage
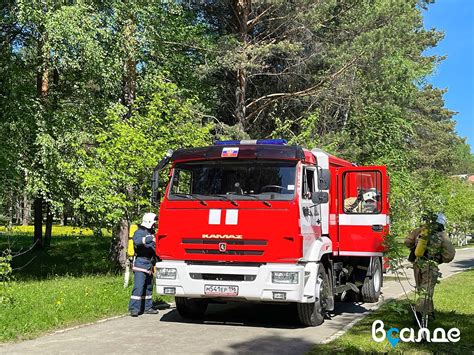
column 115, row 176
column 348, row 77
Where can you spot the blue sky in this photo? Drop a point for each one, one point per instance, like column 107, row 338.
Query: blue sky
column 456, row 73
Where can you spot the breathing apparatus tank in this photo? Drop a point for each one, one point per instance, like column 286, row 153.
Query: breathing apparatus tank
column 130, row 247
column 422, row 242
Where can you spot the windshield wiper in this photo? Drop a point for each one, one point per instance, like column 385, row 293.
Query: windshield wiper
column 266, row 203
column 227, row 198
column 191, row 197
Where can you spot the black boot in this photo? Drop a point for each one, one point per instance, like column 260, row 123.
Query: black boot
column 151, row 311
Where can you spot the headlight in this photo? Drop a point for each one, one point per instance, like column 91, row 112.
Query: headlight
column 283, row 277
column 166, row 273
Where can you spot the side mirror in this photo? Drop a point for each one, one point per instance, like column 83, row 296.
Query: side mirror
column 163, row 162
column 324, row 179
column 155, row 194
column 320, row 197
column 155, row 180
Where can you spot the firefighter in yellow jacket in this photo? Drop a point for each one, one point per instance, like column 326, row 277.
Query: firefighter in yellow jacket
column 430, row 246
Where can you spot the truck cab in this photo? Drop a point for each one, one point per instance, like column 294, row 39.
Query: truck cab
column 263, row 221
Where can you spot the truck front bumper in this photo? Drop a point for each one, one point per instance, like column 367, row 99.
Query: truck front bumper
column 254, row 282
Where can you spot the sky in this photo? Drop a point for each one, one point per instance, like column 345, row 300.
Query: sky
column 456, row 73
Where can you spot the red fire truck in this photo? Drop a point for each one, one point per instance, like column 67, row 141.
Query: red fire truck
column 263, row 221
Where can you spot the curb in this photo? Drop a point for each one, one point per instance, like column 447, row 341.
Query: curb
column 87, row 324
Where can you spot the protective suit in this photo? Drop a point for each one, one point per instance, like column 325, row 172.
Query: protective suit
column 439, row 250
column 141, row 300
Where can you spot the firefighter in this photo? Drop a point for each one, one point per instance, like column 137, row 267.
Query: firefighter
column 430, row 246
column 144, row 242
column 363, row 203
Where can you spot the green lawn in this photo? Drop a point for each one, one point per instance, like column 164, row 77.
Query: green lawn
column 70, row 283
column 455, row 308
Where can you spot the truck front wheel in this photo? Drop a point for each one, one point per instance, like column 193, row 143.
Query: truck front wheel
column 370, row 290
column 193, row 308
column 312, row 314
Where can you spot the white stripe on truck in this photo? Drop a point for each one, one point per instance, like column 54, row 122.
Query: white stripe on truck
column 362, row 219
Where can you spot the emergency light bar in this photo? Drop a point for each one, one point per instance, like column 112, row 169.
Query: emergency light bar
column 256, row 141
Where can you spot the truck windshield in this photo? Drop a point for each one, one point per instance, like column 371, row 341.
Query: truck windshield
column 239, row 180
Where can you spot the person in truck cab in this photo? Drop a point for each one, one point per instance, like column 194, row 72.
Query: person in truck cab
column 365, row 202
column 144, row 243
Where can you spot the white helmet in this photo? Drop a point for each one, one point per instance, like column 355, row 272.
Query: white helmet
column 441, row 218
column 370, row 195
column 148, row 220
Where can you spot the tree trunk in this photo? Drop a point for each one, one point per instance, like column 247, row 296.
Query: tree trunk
column 129, row 78
column 26, row 216
column 240, row 91
column 49, row 225
column 242, row 11
column 120, row 242
column 38, row 235
column 18, row 210
column 42, row 87
column 64, row 219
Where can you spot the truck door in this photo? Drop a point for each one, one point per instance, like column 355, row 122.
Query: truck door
column 310, row 215
column 363, row 210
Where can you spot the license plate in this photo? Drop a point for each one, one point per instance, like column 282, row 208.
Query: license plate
column 221, row 290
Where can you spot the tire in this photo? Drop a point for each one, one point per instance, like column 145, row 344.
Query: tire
column 370, row 290
column 312, row 314
column 192, row 308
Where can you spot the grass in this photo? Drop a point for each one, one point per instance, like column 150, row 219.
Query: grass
column 43, row 305
column 454, row 308
column 73, row 282
column 72, row 256
column 57, row 231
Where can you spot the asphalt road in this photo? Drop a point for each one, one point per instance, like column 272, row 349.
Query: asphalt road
column 227, row 329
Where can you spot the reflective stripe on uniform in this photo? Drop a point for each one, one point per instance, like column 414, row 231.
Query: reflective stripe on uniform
column 141, row 297
column 141, row 270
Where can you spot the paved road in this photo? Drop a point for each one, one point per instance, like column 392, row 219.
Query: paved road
column 228, row 329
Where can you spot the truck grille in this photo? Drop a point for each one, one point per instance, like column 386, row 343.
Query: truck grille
column 227, row 252
column 222, row 277
column 198, row 246
column 227, row 241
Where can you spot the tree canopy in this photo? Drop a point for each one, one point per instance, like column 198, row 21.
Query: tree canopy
column 93, row 93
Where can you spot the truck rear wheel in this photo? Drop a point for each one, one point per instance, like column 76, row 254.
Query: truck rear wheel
column 372, row 284
column 312, row 314
column 193, row 308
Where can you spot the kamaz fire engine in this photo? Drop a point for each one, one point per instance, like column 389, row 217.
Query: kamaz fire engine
column 263, row 221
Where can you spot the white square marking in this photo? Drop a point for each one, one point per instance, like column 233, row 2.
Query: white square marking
column 214, row 216
column 231, row 216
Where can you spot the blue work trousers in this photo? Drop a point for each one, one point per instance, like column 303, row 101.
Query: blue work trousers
column 141, row 299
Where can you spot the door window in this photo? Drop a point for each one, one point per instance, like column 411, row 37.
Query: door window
column 308, row 184
column 362, row 192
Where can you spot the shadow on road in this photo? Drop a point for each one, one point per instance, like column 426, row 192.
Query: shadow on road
column 466, row 263
column 268, row 345
column 260, row 315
